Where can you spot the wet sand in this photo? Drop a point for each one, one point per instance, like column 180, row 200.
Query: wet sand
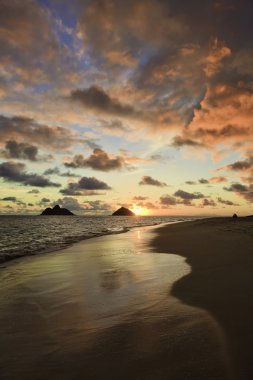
column 103, row 309
column 220, row 254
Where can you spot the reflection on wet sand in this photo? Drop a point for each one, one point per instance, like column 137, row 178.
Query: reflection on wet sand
column 102, row 309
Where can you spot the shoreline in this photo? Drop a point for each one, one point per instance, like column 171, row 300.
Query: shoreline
column 220, row 254
column 108, row 301
column 6, row 258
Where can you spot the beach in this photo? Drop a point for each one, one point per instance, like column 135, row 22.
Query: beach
column 107, row 308
column 220, row 254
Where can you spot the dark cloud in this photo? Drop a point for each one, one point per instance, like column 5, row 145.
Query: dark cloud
column 97, row 206
column 224, row 133
column 15, row 172
column 147, row 205
column 45, row 200
column 179, row 142
column 95, row 98
column 242, row 165
column 23, row 24
column 208, row 202
column 24, row 128
column 87, row 207
column 85, row 186
column 119, row 34
column 139, row 198
column 9, row 199
column 190, row 48
column 24, row 151
column 237, row 187
column 180, row 198
column 113, row 126
column 69, row 174
column 56, row 171
column 188, row 196
column 70, row 203
column 98, row 160
column 203, row 181
column 147, row 180
column 51, row 171
column 92, row 183
column 242, row 190
column 168, row 200
column 33, row 191
column 15, row 200
column 226, row 202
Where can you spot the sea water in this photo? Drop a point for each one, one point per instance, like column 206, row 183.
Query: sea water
column 31, row 235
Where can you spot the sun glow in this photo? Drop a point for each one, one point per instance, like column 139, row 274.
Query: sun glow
column 139, row 211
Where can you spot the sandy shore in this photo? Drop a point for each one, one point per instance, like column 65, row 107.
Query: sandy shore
column 220, row 253
column 103, row 309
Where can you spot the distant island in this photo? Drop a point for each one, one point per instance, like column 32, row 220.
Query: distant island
column 56, row 210
column 123, row 211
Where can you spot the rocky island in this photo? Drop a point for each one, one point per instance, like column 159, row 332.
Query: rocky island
column 56, row 210
column 123, row 211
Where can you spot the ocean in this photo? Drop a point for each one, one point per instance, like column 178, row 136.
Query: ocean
column 31, row 235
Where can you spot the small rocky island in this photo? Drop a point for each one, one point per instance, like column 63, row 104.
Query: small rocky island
column 123, row 211
column 56, row 210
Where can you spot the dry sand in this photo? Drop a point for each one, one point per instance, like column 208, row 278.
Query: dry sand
column 220, row 253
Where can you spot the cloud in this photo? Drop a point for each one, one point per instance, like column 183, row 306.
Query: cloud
column 168, row 200
column 48, row 136
column 56, row 171
column 118, row 35
column 45, row 200
column 178, row 199
column 226, row 202
column 188, row 196
column 178, row 61
column 23, row 24
column 85, row 186
column 70, row 203
column 69, row 174
column 237, row 187
column 98, row 160
column 15, row 172
column 33, row 191
column 87, row 207
column 218, row 179
column 51, row 171
column 208, row 202
column 15, row 200
column 24, row 151
column 243, row 165
column 179, row 142
column 95, row 98
column 203, row 181
column 97, row 206
column 9, row 199
column 147, row 205
column 242, row 190
column 147, row 180
column 139, row 198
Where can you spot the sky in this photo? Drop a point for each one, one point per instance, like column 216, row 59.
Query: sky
column 145, row 104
